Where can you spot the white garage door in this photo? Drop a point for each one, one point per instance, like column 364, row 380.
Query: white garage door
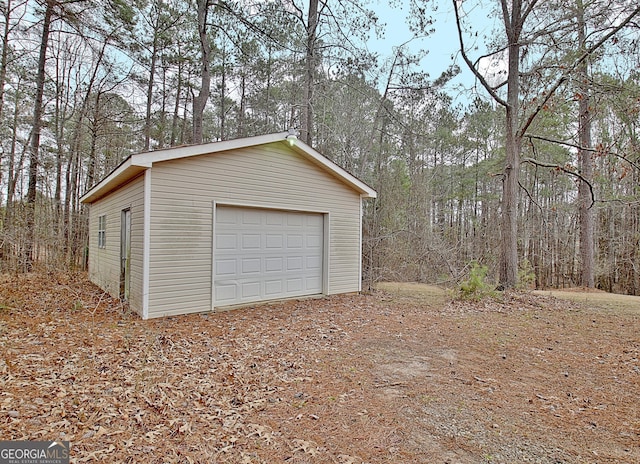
column 264, row 254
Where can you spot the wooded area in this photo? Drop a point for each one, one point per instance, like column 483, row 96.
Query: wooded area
column 535, row 172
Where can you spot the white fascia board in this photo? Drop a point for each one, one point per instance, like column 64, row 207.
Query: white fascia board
column 148, row 158
column 89, row 196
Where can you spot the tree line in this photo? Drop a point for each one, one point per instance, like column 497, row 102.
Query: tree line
column 534, row 172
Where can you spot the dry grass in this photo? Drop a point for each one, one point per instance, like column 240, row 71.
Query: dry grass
column 429, row 295
column 597, row 299
column 402, row 375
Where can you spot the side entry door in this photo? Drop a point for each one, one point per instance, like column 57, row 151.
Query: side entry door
column 125, row 254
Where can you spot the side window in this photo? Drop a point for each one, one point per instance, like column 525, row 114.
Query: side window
column 102, row 231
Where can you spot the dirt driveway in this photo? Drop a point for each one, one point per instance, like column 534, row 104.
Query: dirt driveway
column 404, row 375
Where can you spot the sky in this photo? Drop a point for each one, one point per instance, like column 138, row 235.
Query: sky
column 442, row 45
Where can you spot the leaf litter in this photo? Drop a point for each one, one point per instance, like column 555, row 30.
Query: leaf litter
column 343, row 379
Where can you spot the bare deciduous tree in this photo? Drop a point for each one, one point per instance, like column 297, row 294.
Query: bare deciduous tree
column 515, row 14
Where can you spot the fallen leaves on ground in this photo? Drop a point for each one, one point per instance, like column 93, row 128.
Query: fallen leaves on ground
column 343, row 379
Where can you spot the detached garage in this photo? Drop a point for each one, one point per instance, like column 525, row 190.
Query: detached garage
column 205, row 227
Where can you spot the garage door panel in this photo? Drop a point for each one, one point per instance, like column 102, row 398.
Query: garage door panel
column 314, row 241
column 226, row 267
column 226, row 292
column 295, row 240
column 315, row 221
column 295, row 220
column 251, row 217
column 274, row 242
column 274, row 264
column 273, row 288
column 251, row 241
column 314, row 262
column 226, row 242
column 294, row 263
column 226, row 216
column 266, row 254
column 275, row 219
column 294, row 285
column 251, row 265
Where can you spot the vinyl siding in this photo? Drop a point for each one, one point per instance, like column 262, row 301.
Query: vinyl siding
column 104, row 263
column 273, row 176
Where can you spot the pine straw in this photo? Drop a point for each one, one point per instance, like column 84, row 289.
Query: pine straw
column 345, row 379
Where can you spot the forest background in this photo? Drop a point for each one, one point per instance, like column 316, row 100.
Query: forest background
column 532, row 170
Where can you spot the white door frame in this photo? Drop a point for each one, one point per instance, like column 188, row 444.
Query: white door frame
column 125, row 253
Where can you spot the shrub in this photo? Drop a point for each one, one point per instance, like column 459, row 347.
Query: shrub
column 477, row 286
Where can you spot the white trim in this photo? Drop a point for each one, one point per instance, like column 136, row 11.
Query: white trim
column 148, row 158
column 326, row 258
column 243, row 204
column 115, row 174
column 102, row 231
column 214, row 206
column 360, row 248
column 118, row 177
column 146, row 244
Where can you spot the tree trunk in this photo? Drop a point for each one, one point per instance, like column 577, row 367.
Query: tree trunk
column 61, row 106
column 13, row 169
column 508, row 275
column 3, row 77
column 587, row 244
column 72, row 176
column 34, row 154
column 267, row 118
column 200, row 100
column 306, row 122
column 185, row 110
column 92, row 162
column 223, row 94
column 241, row 108
column 5, row 53
column 152, row 74
column 176, row 108
column 162, row 123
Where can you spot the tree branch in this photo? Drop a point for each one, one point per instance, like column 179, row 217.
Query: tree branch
column 569, row 70
column 528, row 11
column 578, row 147
column 470, row 64
column 251, row 26
column 529, row 195
column 565, row 170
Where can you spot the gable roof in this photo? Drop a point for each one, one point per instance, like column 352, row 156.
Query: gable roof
column 139, row 162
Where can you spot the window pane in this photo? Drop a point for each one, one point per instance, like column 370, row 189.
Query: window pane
column 102, row 231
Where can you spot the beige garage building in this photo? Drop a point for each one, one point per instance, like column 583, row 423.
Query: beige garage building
column 191, row 229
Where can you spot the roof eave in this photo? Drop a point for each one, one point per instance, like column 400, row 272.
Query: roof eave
column 123, row 173
column 150, row 157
